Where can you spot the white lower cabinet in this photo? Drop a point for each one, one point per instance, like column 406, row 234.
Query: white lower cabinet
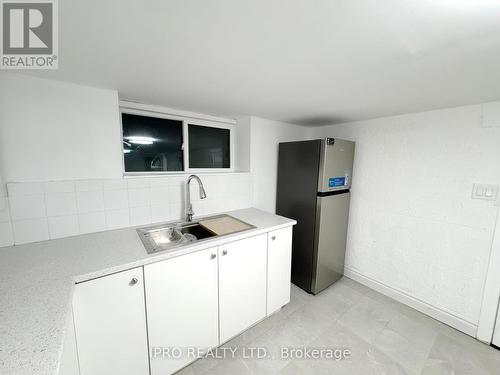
column 110, row 325
column 279, row 264
column 179, row 308
column 496, row 332
column 242, row 285
column 68, row 364
column 182, row 309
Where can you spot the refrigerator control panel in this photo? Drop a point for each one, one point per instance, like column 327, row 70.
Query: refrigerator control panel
column 339, row 181
column 335, row 182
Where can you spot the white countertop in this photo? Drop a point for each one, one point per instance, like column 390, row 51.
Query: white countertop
column 37, row 279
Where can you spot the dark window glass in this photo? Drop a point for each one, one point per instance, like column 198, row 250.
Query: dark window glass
column 151, row 144
column 208, row 147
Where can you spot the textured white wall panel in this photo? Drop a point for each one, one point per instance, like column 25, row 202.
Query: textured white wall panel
column 413, row 223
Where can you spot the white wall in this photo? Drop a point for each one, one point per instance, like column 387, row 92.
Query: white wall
column 413, row 225
column 242, row 142
column 61, row 156
column 55, row 131
column 265, row 136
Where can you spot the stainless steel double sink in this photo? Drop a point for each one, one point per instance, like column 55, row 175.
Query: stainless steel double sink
column 168, row 236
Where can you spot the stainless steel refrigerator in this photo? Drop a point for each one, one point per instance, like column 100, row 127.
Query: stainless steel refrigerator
column 314, row 181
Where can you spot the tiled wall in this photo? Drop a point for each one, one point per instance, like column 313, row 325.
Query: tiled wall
column 38, row 211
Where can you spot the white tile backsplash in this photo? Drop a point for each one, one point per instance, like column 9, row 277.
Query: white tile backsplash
column 160, row 181
column 59, row 187
column 114, row 184
column 6, row 234
column 160, row 195
column 59, row 204
column 176, row 211
column 139, row 197
column 138, row 183
column 31, row 230
column 54, row 209
column 89, row 185
column 24, row 188
column 30, row 206
column 140, row 215
column 5, row 213
column 160, row 212
column 117, row 219
column 92, row 222
column 90, row 201
column 115, row 199
column 63, row 226
column 176, row 192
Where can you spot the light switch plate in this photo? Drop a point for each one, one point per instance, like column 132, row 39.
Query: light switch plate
column 485, row 192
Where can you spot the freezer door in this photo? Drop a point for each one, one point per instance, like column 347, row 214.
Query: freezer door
column 335, row 173
column 330, row 244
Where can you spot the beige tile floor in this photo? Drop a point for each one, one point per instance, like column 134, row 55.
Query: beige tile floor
column 383, row 336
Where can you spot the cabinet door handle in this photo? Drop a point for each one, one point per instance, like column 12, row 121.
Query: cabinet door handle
column 212, row 256
column 224, row 252
column 273, row 238
column 133, row 281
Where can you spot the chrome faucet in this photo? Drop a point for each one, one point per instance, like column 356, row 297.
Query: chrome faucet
column 203, row 195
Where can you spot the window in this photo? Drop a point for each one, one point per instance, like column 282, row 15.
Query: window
column 208, row 147
column 152, row 144
column 155, row 142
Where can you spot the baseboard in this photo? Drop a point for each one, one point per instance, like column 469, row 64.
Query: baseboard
column 433, row 311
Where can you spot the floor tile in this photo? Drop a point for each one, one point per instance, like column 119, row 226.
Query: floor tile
column 382, row 335
column 229, row 367
column 367, row 318
column 464, row 356
column 186, row 371
column 363, row 359
column 406, row 341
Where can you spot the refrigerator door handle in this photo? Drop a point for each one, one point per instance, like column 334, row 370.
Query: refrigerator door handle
column 333, row 192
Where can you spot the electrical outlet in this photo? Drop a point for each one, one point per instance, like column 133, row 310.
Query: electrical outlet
column 485, row 192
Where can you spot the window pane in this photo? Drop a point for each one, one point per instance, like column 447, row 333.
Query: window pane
column 151, row 144
column 208, row 147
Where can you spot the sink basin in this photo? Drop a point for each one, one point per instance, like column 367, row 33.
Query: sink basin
column 168, row 236
column 197, row 230
column 165, row 236
column 162, row 237
column 159, row 238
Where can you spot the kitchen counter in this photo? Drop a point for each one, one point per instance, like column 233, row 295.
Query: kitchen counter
column 37, row 282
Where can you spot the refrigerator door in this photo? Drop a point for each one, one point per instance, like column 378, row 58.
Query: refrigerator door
column 298, row 166
column 335, row 172
column 331, row 233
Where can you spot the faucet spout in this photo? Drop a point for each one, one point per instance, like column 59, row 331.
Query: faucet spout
column 203, row 195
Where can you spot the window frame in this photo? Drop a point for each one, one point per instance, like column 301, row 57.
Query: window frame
column 208, row 124
column 186, row 121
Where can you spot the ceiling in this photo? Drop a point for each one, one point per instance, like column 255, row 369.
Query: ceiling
column 311, row 62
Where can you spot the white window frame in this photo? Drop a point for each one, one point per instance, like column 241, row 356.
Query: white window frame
column 208, row 124
column 193, row 119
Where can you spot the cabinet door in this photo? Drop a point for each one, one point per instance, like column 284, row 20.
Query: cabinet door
column 68, row 364
column 242, row 285
column 181, row 300
column 110, row 325
column 496, row 333
column 279, row 263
